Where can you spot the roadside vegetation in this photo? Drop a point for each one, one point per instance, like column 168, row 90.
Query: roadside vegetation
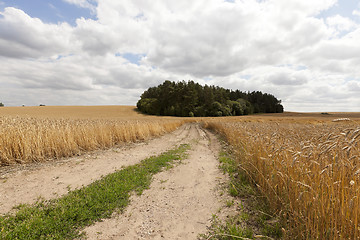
column 64, row 218
column 308, row 171
column 251, row 218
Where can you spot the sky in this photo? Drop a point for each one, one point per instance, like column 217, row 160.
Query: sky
column 105, row 52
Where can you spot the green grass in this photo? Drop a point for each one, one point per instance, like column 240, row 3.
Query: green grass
column 239, row 184
column 252, row 219
column 230, row 230
column 63, row 218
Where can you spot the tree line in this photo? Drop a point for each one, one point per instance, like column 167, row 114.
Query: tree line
column 190, row 99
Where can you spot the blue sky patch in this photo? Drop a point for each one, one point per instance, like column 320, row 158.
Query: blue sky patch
column 131, row 57
column 246, row 76
column 343, row 8
column 301, row 67
column 50, row 11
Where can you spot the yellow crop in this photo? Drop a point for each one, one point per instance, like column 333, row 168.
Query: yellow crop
column 309, row 169
column 31, row 134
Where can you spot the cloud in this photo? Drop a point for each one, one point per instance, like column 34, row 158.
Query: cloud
column 80, row 73
column 303, row 7
column 23, row 36
column 353, row 86
column 34, row 97
column 94, row 38
column 282, row 47
column 335, row 55
column 356, row 12
column 285, row 78
column 207, row 44
column 340, row 23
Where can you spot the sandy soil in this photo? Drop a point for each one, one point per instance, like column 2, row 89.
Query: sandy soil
column 178, row 205
column 27, row 183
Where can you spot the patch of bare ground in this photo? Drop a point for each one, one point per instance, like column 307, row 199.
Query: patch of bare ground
column 179, row 203
column 27, row 183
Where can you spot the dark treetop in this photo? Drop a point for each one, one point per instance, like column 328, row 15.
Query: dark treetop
column 189, row 99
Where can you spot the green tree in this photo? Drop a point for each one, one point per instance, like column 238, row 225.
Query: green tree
column 149, row 106
column 215, row 110
column 245, row 106
column 191, row 99
column 1, row 104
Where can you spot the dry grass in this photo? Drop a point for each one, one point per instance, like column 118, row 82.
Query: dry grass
column 309, row 169
column 32, row 134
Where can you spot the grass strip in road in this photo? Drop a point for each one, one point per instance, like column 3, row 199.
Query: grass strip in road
column 63, row 218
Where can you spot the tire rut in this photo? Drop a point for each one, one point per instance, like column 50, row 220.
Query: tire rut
column 26, row 184
column 179, row 203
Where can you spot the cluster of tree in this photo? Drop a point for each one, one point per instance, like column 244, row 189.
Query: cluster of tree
column 1, row 104
column 189, row 99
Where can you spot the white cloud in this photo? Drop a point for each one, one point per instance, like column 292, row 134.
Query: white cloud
column 205, row 43
column 23, row 36
column 341, row 23
column 339, row 55
column 353, row 86
column 303, row 7
column 284, row 78
column 280, row 46
column 356, row 12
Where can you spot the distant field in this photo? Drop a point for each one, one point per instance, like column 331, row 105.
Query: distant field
column 84, row 112
column 129, row 112
column 297, row 117
column 328, row 116
column 33, row 134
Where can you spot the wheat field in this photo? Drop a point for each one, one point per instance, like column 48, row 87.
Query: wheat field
column 33, row 134
column 308, row 168
column 307, row 165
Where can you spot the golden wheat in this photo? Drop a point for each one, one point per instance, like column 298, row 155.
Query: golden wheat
column 310, row 172
column 38, row 136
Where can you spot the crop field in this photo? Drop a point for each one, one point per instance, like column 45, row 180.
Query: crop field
column 307, row 166
column 33, row 134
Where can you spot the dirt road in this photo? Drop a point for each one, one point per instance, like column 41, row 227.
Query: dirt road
column 178, row 205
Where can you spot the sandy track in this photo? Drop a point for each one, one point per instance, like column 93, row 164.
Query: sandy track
column 179, row 203
column 26, row 184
